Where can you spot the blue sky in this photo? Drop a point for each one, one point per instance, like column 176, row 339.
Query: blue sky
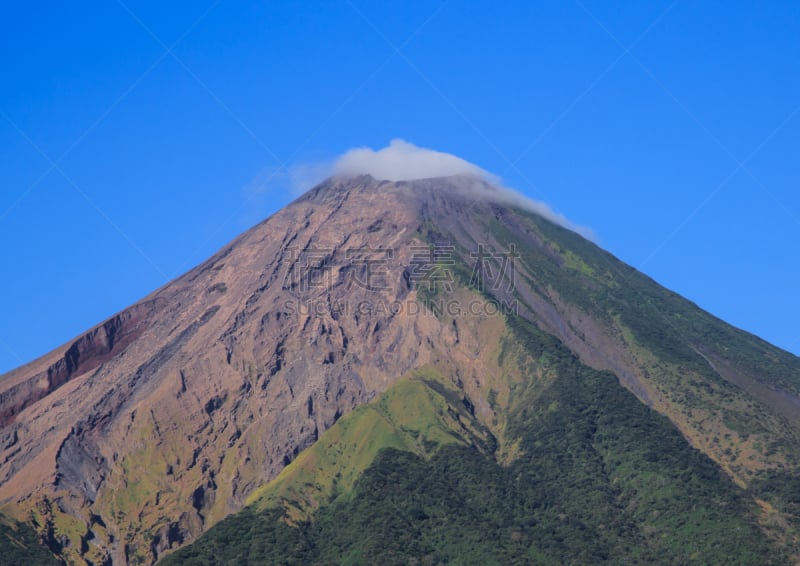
column 132, row 135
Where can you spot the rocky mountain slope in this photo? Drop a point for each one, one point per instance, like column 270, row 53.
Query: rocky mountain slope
column 139, row 436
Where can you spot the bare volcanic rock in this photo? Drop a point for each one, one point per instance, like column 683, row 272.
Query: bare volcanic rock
column 161, row 420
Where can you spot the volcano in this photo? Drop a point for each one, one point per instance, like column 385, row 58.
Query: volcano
column 427, row 371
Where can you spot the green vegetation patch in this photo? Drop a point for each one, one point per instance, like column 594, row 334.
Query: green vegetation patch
column 20, row 545
column 417, row 415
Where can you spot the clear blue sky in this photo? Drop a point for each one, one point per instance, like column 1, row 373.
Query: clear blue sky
column 131, row 135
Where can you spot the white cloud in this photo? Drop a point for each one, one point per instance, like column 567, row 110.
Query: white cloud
column 403, row 161
column 516, row 198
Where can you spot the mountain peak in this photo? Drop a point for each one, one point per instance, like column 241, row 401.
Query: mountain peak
column 462, row 187
column 150, row 428
column 465, row 185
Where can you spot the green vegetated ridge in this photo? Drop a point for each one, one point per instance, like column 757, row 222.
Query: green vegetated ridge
column 597, row 476
column 731, row 394
column 418, row 415
column 20, row 545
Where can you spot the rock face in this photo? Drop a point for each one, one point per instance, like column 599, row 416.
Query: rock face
column 141, row 434
column 162, row 420
column 85, row 354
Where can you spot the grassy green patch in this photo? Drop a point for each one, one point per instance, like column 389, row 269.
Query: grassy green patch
column 417, row 415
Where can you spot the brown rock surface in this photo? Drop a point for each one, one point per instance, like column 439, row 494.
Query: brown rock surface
column 163, row 419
